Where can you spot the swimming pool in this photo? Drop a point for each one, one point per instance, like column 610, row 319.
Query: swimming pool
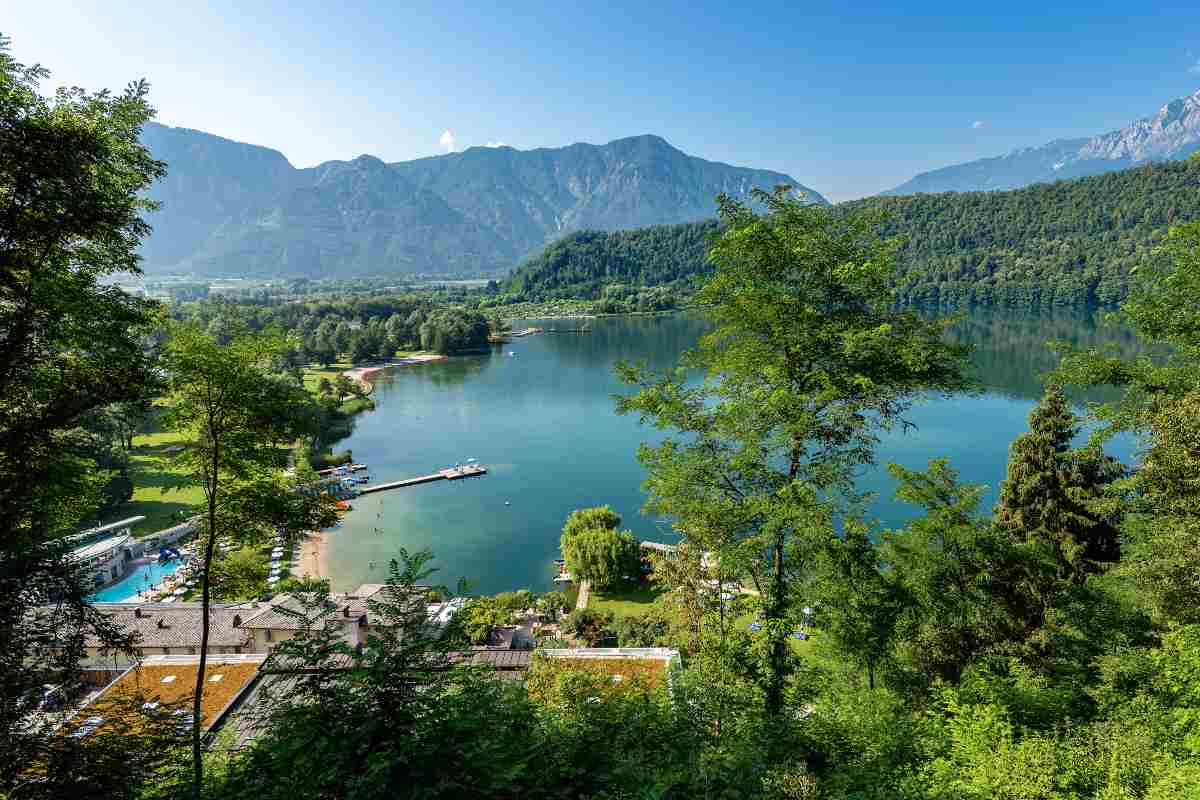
column 142, row 577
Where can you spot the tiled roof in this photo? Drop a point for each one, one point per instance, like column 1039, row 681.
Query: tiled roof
column 176, row 624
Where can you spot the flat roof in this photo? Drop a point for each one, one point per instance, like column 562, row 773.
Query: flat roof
column 112, row 526
column 169, row 682
column 96, row 548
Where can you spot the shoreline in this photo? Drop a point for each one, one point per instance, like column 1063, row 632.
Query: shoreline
column 360, row 375
column 312, row 555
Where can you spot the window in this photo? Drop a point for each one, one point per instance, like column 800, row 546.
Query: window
column 268, row 634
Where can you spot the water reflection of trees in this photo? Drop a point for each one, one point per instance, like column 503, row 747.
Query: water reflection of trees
column 656, row 339
column 1011, row 351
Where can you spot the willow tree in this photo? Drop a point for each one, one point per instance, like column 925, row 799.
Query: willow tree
column 237, row 416
column 808, row 363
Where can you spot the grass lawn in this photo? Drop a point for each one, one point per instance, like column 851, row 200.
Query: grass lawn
column 625, row 600
column 314, row 374
column 150, row 473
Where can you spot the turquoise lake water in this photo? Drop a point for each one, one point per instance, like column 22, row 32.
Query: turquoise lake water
column 539, row 414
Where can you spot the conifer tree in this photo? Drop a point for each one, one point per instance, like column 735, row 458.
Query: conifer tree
column 1053, row 494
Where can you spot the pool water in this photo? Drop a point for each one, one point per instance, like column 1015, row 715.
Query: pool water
column 142, row 577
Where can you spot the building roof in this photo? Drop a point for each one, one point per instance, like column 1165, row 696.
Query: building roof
column 112, row 526
column 164, row 686
column 177, row 624
column 96, row 548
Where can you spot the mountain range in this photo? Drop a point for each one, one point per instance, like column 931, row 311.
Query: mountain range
column 1172, row 133
column 1067, row 243
column 229, row 208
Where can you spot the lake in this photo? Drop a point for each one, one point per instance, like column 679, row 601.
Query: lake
column 539, row 414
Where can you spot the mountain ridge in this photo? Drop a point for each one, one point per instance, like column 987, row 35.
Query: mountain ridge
column 1068, row 243
column 1172, row 133
column 235, row 208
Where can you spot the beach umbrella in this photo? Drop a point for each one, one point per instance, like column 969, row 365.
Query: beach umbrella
column 754, row 626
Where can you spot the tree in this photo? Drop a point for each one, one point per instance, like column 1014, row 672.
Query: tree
column 594, row 550
column 600, row 555
column 236, row 415
column 859, row 603
column 588, row 624
column 343, row 386
column 1160, row 402
column 324, row 387
column 588, row 519
column 966, row 586
column 1053, row 493
column 73, row 177
column 809, row 361
column 448, row 329
column 403, row 716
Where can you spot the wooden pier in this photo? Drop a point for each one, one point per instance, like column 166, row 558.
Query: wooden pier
column 452, row 474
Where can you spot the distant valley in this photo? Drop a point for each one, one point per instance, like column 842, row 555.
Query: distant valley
column 230, row 208
column 1173, row 133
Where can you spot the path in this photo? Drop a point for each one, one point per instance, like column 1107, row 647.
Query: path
column 585, row 593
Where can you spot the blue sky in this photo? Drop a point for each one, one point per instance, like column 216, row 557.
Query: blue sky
column 850, row 99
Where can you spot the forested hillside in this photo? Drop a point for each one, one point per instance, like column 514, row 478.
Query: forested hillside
column 1066, row 243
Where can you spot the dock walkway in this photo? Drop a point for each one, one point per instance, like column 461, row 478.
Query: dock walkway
column 452, row 474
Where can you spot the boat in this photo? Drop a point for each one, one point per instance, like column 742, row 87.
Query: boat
column 508, row 502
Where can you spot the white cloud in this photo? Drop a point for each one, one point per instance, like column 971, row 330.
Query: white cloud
column 448, row 141
column 496, row 144
column 977, row 124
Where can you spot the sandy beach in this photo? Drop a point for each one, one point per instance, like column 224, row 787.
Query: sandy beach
column 361, row 374
column 312, row 555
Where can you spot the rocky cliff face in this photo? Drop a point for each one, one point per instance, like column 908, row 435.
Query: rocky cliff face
column 231, row 208
column 1172, row 133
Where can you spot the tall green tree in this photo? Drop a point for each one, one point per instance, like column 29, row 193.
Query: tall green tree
column 600, row 555
column 73, row 174
column 1055, row 495
column 808, row 363
column 859, row 601
column 1161, row 403
column 237, row 415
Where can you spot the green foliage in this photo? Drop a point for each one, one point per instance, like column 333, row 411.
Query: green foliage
column 240, row 575
column 588, row 624
column 73, row 177
column 454, row 330
column 590, row 265
column 1053, row 494
column 587, row 519
column 600, row 555
column 807, row 364
column 236, row 414
column 1070, row 243
column 1161, row 401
